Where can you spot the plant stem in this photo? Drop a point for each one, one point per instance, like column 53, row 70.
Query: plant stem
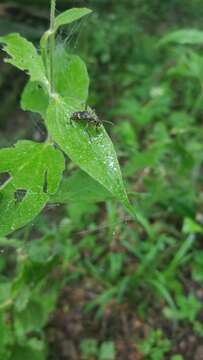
column 52, row 43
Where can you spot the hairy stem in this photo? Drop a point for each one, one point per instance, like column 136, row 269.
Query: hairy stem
column 52, row 42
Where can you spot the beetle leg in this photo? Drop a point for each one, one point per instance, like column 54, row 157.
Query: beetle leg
column 71, row 121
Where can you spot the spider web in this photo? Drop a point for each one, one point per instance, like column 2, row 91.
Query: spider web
column 70, row 35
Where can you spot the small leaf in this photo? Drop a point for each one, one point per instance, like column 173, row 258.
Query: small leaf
column 35, row 98
column 89, row 348
column 42, row 250
column 35, row 173
column 24, row 56
column 191, row 227
column 90, row 148
column 107, row 351
column 32, row 318
column 69, row 16
column 70, row 75
column 183, row 37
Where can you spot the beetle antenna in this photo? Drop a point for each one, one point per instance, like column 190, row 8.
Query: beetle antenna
column 108, row 122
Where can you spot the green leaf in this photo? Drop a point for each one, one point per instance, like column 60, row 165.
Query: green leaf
column 107, row 351
column 25, row 352
column 191, row 227
column 32, row 318
column 22, row 298
column 183, row 37
column 69, row 16
column 89, row 348
column 24, row 56
column 35, row 98
column 42, row 250
column 90, row 148
column 35, row 172
column 5, row 288
column 80, row 187
column 70, row 75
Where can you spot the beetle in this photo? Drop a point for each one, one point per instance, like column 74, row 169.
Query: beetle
column 89, row 116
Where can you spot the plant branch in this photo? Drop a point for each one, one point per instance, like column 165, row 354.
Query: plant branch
column 52, row 42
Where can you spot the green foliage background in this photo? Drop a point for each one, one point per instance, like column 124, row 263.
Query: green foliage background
column 153, row 95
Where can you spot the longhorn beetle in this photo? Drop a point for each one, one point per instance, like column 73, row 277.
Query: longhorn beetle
column 89, row 116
